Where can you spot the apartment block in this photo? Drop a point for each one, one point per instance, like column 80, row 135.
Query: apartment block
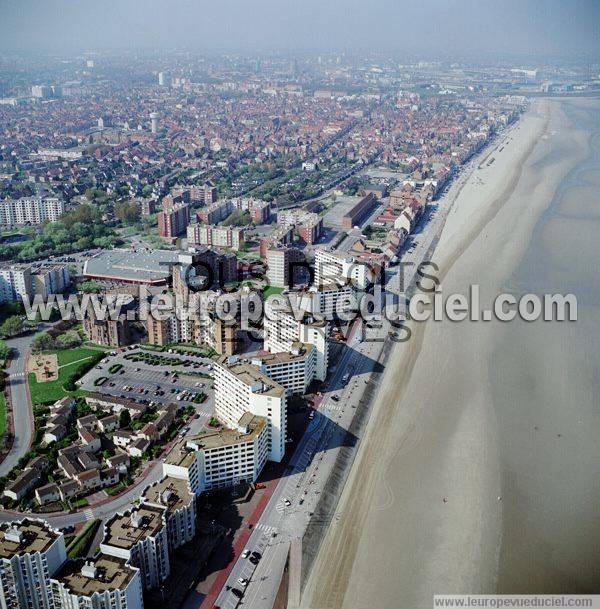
column 30, row 210
column 283, row 330
column 216, row 236
column 103, row 582
column 284, row 266
column 231, row 456
column 140, row 538
column 15, row 283
column 295, row 369
column 175, row 495
column 241, row 387
column 31, row 552
column 173, row 219
column 332, row 266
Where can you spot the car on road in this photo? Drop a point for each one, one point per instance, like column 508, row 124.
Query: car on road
column 287, row 502
column 237, row 592
column 243, row 581
column 335, row 398
column 245, row 553
column 257, row 555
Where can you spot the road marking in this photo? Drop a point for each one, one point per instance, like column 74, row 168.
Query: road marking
column 267, row 528
column 89, row 514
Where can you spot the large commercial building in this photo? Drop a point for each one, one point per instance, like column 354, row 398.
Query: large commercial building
column 140, row 538
column 131, row 266
column 360, row 212
column 241, row 387
column 30, row 210
column 217, row 236
column 104, row 582
column 31, row 552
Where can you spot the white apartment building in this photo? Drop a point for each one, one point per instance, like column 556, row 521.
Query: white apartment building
column 104, row 582
column 140, row 538
column 183, row 463
column 328, row 299
column 280, row 262
column 283, row 331
column 22, row 280
column 175, row 495
column 30, row 210
column 51, row 280
column 217, row 236
column 31, row 552
column 15, row 283
column 295, row 369
column 241, row 387
column 231, row 456
column 331, row 266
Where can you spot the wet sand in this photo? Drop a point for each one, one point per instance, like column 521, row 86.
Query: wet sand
column 501, row 419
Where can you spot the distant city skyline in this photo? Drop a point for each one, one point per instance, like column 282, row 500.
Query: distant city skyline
column 430, row 27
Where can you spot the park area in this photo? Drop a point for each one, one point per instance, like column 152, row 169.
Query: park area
column 71, row 364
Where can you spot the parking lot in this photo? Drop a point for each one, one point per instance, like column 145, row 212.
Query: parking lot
column 177, row 378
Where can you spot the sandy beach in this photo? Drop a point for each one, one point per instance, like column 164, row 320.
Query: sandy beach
column 499, row 419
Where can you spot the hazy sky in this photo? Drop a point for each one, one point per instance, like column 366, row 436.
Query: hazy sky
column 420, row 26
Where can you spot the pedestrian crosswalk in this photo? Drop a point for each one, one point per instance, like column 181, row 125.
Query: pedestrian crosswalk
column 266, row 528
column 17, row 375
column 89, row 514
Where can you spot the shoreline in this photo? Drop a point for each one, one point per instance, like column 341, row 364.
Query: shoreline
column 368, row 476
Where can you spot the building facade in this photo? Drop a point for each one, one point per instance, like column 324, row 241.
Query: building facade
column 30, row 210
column 31, row 552
column 241, row 387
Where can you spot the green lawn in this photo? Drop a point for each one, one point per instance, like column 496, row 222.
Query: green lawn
column 271, row 290
column 68, row 360
column 2, row 415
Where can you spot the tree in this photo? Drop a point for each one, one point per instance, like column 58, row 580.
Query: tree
column 12, row 325
column 124, row 418
column 42, row 342
column 91, row 287
column 129, row 213
column 4, row 350
column 68, row 340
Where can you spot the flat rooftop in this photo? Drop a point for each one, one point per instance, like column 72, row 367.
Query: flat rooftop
column 228, row 437
column 172, row 493
column 18, row 538
column 106, row 573
column 139, row 266
column 180, row 456
column 122, row 532
column 299, row 351
column 250, row 375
